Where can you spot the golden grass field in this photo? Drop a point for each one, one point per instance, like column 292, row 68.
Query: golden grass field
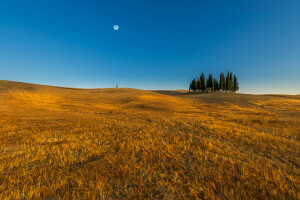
column 63, row 143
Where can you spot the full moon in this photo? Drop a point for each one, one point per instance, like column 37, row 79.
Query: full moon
column 116, row 27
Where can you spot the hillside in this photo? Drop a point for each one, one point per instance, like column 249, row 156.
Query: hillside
column 122, row 143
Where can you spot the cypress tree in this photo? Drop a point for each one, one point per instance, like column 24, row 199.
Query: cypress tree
column 222, row 82
column 235, row 84
column 198, row 84
column 230, row 82
column 227, row 82
column 194, row 85
column 202, row 80
column 207, row 84
column 216, row 85
column 210, row 82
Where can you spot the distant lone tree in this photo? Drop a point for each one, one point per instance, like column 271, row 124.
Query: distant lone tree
column 235, row 84
column 202, row 80
column 222, row 82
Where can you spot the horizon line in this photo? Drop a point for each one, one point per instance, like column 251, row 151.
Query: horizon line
column 91, row 88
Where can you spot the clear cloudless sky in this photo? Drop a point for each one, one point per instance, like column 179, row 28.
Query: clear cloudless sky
column 161, row 44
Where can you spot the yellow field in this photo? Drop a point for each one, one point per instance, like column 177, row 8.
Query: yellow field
column 61, row 143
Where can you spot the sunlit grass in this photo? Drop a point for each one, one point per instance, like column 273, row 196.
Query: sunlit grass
column 132, row 144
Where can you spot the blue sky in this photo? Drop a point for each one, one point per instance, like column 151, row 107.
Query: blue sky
column 160, row 44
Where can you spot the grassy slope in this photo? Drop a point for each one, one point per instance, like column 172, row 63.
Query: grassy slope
column 135, row 144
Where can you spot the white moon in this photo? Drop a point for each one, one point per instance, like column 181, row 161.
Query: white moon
column 116, row 27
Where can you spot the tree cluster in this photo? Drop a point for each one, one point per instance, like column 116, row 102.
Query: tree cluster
column 214, row 85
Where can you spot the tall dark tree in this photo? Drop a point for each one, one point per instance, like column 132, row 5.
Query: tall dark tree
column 230, row 82
column 227, row 82
column 216, row 85
column 202, row 80
column 222, row 85
column 207, row 84
column 235, row 84
column 194, row 85
column 191, row 85
column 198, row 84
column 210, row 82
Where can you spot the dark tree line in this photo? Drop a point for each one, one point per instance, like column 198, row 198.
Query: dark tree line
column 214, row 85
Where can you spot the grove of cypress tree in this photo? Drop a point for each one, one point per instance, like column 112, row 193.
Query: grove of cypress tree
column 229, row 83
column 222, row 82
column 202, row 80
column 235, row 84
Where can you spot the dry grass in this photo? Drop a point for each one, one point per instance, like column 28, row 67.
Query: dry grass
column 62, row 143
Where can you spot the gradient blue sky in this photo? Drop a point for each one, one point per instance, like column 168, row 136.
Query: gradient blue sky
column 161, row 44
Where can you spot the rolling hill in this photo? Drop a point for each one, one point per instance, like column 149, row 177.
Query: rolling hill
column 61, row 143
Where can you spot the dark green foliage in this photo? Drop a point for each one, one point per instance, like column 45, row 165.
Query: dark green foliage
column 207, row 84
column 229, row 83
column 210, row 81
column 202, row 80
column 235, row 84
column 198, row 84
column 222, row 82
column 194, row 85
column 216, row 85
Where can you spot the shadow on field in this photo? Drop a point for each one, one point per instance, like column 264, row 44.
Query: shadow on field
column 171, row 92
